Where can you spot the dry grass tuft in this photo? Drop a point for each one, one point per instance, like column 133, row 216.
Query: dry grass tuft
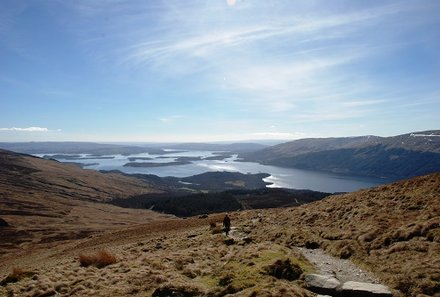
column 284, row 269
column 16, row 275
column 102, row 259
column 215, row 229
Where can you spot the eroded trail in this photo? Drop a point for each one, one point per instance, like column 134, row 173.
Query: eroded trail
column 342, row 269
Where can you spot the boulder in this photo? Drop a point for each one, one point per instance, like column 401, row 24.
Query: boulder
column 359, row 289
column 322, row 284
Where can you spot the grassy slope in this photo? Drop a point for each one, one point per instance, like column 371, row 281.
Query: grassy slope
column 184, row 254
column 45, row 201
column 392, row 230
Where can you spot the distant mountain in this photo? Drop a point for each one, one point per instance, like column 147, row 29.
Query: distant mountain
column 92, row 148
column 233, row 147
column 76, row 148
column 399, row 156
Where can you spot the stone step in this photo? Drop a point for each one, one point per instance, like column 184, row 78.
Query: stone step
column 359, row 289
column 330, row 285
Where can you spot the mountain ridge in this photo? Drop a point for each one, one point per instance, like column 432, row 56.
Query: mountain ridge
column 400, row 156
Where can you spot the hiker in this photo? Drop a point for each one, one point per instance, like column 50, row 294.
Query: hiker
column 226, row 224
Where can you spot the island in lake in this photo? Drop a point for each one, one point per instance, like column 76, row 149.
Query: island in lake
column 155, row 164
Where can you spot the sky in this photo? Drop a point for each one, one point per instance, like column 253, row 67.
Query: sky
column 217, row 70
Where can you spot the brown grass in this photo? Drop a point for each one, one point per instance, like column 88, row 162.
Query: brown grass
column 215, row 229
column 16, row 275
column 101, row 259
column 392, row 230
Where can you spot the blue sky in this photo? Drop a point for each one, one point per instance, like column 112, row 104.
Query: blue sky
column 217, row 70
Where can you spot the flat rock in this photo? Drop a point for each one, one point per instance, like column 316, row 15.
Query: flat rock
column 322, row 284
column 359, row 289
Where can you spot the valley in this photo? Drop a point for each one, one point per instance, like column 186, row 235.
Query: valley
column 191, row 256
column 157, row 231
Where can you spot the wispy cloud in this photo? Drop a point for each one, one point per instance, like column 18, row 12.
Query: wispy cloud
column 164, row 45
column 28, row 129
column 235, row 57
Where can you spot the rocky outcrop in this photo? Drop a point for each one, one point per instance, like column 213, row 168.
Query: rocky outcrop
column 331, row 286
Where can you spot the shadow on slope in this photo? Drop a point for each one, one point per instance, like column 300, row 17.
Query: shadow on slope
column 185, row 205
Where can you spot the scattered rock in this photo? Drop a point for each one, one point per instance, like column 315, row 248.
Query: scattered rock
column 359, row 289
column 247, row 240
column 229, row 241
column 191, row 235
column 3, row 223
column 312, row 245
column 322, row 284
column 342, row 269
column 284, row 269
column 177, row 291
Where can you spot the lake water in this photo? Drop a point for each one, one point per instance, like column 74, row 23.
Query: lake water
column 279, row 177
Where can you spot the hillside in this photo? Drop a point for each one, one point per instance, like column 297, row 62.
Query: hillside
column 392, row 231
column 401, row 156
column 45, row 201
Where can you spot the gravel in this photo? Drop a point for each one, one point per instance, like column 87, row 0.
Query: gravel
column 342, row 269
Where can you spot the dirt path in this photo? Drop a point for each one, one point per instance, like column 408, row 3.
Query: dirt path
column 343, row 269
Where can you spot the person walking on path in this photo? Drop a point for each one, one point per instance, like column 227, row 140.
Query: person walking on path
column 226, row 224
